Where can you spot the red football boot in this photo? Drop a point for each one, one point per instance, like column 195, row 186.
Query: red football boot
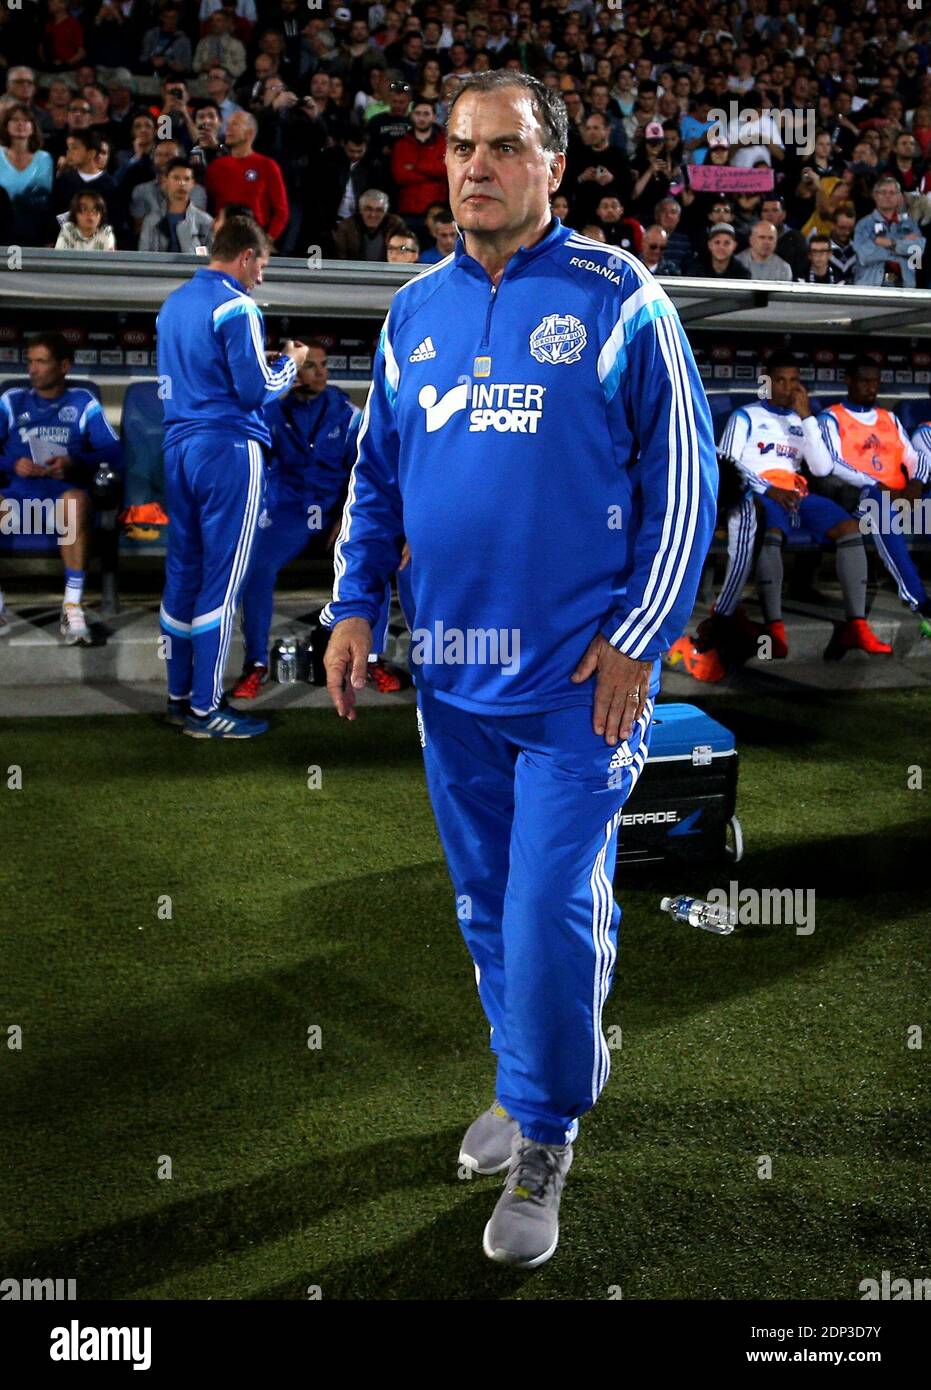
column 776, row 632
column 249, row 684
column 701, row 665
column 385, row 680
column 857, row 635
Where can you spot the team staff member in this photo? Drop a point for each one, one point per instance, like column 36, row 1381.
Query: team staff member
column 537, row 429
column 211, row 356
column 867, row 447
column 314, row 432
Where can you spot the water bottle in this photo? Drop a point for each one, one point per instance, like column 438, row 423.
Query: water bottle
column 709, row 916
column 105, row 486
column 284, row 661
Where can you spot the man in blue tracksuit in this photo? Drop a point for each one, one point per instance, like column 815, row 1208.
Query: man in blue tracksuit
column 537, row 431
column 313, row 432
column 216, row 382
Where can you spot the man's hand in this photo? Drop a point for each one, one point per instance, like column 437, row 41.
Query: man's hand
column 346, row 663
column 26, row 468
column 800, row 402
column 785, row 496
column 622, row 689
column 58, row 467
column 405, row 557
column 297, row 350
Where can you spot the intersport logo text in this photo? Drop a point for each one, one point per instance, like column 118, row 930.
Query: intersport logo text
column 506, row 407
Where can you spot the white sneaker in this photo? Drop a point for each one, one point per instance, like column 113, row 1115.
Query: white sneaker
column 74, row 627
column 6, row 626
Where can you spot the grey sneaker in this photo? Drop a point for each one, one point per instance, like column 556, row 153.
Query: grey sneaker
column 486, row 1147
column 524, row 1226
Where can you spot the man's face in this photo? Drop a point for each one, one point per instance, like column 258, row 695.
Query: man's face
column 500, row 178
column 401, row 250
column 763, row 240
column 669, row 215
column 165, row 152
column 371, row 213
column 654, row 244
column 45, row 374
column 178, row 185
column 595, row 132
column 354, row 150
column 721, row 245
column 249, row 269
column 238, row 130
column 399, row 101
column 76, row 151
column 446, row 234
column 819, row 256
column 422, row 117
column 906, row 147
column 843, row 227
column 217, row 84
column 887, row 198
column 313, row 376
column 207, row 124
column 773, row 212
column 170, row 20
column 358, row 31
column 783, row 381
column 863, row 386
column 79, row 113
column 320, row 86
column 143, row 130
column 609, row 210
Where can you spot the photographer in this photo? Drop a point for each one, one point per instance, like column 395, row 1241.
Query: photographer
column 601, row 169
column 290, row 133
column 653, row 170
column 175, row 107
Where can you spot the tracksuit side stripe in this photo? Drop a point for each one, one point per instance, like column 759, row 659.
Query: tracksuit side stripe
column 738, row 564
column 240, row 564
column 904, row 594
column 339, row 562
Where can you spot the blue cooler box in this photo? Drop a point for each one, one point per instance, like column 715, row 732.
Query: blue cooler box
column 684, row 805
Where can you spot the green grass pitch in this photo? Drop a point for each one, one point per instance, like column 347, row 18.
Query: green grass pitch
column 334, row 1167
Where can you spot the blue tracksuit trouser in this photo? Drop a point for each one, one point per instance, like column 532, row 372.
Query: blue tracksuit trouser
column 894, row 552
column 527, row 808
column 214, row 486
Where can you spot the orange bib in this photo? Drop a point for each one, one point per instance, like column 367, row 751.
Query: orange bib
column 786, row 479
column 875, row 450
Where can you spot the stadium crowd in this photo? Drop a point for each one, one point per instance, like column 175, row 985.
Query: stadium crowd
column 752, row 139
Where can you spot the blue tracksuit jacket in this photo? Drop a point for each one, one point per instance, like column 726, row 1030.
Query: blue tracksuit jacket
column 75, row 421
column 546, row 449
column 311, row 440
column 211, row 355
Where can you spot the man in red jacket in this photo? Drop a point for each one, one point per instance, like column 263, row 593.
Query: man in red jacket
column 245, row 177
column 418, row 165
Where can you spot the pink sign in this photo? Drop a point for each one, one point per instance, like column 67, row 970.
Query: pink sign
column 721, row 178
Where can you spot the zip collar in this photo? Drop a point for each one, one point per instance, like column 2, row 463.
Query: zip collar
column 518, row 260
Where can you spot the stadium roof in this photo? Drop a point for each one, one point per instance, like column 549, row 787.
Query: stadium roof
column 128, row 281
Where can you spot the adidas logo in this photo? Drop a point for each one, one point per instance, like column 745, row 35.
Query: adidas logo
column 620, row 759
column 423, row 351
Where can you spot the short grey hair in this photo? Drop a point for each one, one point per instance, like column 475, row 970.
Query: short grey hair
column 375, row 197
column 888, row 179
column 548, row 107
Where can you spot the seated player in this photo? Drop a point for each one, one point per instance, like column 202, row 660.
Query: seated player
column 313, row 431
column 867, row 447
column 52, row 437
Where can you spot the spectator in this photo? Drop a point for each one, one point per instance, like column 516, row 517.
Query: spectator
column 385, row 129
column 374, row 101
column 905, row 165
column 166, row 49
column 117, row 33
column 343, row 175
column 242, row 16
column 653, row 252
column 418, row 165
column 220, row 47
column 668, row 214
column 245, row 177
column 720, row 259
column 26, row 175
column 21, row 88
column 599, row 169
column 760, row 257
column 82, row 171
column 219, row 86
column 135, row 164
column 619, row 230
column 445, row 234
column 85, row 228
column 820, row 269
column 175, row 107
column 62, row 43
column 209, row 146
column 403, row 248
column 791, row 245
column 364, row 235
column 652, row 170
column 55, row 115
column 292, row 135
column 79, row 118
column 888, row 243
column 150, row 197
column 123, row 110
column 843, row 252
column 182, row 228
